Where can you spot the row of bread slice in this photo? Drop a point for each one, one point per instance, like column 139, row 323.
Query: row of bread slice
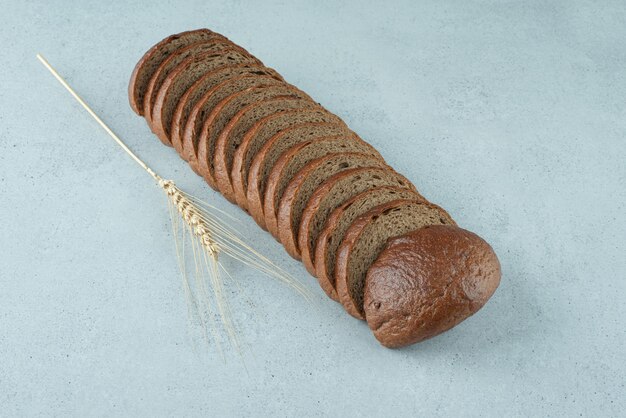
column 302, row 174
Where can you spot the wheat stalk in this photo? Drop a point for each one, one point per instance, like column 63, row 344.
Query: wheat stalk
column 210, row 238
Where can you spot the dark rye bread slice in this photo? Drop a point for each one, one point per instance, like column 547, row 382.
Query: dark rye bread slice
column 223, row 113
column 231, row 137
column 260, row 133
column 265, row 158
column 303, row 185
column 152, row 59
column 205, row 85
column 205, row 109
column 174, row 60
column 182, row 77
column 332, row 194
column 297, row 157
column 340, row 220
column 367, row 237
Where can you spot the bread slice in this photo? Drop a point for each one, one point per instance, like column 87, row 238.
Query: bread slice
column 296, row 158
column 367, row 237
column 340, row 220
column 332, row 194
column 182, row 77
column 174, row 60
column 231, row 137
column 152, row 59
column 265, row 158
column 211, row 100
column 260, row 133
column 206, row 84
column 223, row 113
column 302, row 186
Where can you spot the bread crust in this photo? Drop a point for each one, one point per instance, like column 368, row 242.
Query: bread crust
column 323, row 272
column 204, row 87
column 271, row 200
column 239, row 170
column 426, row 282
column 288, row 213
column 159, row 122
column 205, row 162
column 388, row 177
column 254, row 195
column 172, row 64
column 141, row 75
column 227, row 139
column 197, row 128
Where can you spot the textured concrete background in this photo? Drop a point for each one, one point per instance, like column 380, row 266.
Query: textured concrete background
column 509, row 114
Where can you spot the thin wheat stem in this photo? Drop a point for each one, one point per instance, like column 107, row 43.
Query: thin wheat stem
column 97, row 118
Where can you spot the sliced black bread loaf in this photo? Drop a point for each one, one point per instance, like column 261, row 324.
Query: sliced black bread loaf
column 213, row 99
column 340, row 220
column 224, row 112
column 332, row 194
column 423, row 282
column 205, row 85
column 174, row 60
column 367, row 237
column 231, row 136
column 265, row 158
column 260, row 133
column 152, row 59
column 295, row 159
column 183, row 77
column 303, row 185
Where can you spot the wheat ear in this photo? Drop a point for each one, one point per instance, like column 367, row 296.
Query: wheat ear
column 210, row 237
